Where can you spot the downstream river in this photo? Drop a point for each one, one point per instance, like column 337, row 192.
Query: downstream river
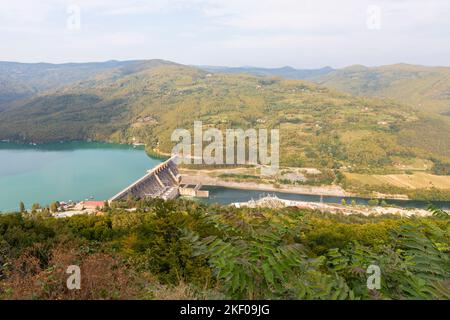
column 83, row 170
column 222, row 195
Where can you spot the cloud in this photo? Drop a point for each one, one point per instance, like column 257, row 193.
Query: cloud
column 20, row 12
column 302, row 33
column 135, row 7
column 121, row 39
column 325, row 15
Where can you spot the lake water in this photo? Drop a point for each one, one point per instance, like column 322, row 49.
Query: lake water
column 80, row 170
column 67, row 171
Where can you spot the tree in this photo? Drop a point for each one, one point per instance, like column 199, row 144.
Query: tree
column 22, row 207
column 367, row 152
column 35, row 207
column 54, row 207
column 438, row 212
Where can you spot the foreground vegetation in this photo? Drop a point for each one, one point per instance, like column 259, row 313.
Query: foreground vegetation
column 180, row 249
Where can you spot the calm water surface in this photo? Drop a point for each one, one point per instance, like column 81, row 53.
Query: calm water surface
column 67, row 171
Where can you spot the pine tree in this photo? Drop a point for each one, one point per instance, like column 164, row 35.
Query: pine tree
column 22, row 207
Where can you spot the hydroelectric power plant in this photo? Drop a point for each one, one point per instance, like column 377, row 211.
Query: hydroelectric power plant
column 164, row 181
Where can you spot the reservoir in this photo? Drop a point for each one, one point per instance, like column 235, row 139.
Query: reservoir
column 67, row 171
column 90, row 170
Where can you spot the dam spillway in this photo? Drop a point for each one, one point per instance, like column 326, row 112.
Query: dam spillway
column 163, row 182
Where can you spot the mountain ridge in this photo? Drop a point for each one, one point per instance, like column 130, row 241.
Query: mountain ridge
column 147, row 100
column 287, row 72
column 424, row 87
column 19, row 81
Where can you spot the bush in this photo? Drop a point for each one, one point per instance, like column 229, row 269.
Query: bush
column 187, row 249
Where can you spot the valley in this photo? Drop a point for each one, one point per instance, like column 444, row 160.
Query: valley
column 345, row 137
column 224, row 159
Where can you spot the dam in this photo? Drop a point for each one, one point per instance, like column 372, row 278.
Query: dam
column 164, row 182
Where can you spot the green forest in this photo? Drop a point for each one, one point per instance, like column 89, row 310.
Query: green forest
column 187, row 250
column 146, row 100
column 367, row 130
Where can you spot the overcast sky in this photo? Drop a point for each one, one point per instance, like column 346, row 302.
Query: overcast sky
column 267, row 33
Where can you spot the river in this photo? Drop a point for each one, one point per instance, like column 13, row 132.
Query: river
column 222, row 195
column 83, row 170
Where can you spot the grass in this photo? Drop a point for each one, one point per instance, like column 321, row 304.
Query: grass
column 417, row 180
column 413, row 164
column 349, row 136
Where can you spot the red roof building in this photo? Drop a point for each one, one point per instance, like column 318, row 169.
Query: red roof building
column 93, row 204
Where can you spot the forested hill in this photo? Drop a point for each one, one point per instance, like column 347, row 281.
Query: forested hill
column 425, row 88
column 147, row 100
column 23, row 80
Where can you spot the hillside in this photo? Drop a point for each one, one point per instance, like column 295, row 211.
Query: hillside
column 23, row 80
column 284, row 72
column 147, row 100
column 424, row 88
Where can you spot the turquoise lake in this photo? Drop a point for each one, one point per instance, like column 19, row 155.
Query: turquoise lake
column 67, row 171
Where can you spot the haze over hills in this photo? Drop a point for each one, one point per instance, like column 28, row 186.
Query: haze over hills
column 285, row 72
column 424, row 88
column 23, row 80
column 146, row 100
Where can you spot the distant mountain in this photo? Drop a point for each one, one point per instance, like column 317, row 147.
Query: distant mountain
column 23, row 80
column 424, row 88
column 146, row 100
column 87, row 103
column 285, row 72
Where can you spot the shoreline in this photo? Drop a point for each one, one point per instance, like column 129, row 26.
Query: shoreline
column 201, row 177
column 275, row 202
column 253, row 186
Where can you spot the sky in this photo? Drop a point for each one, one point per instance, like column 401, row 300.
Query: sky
column 264, row 33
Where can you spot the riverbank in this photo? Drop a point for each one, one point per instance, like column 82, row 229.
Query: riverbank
column 200, row 178
column 249, row 178
column 275, row 202
column 211, row 178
